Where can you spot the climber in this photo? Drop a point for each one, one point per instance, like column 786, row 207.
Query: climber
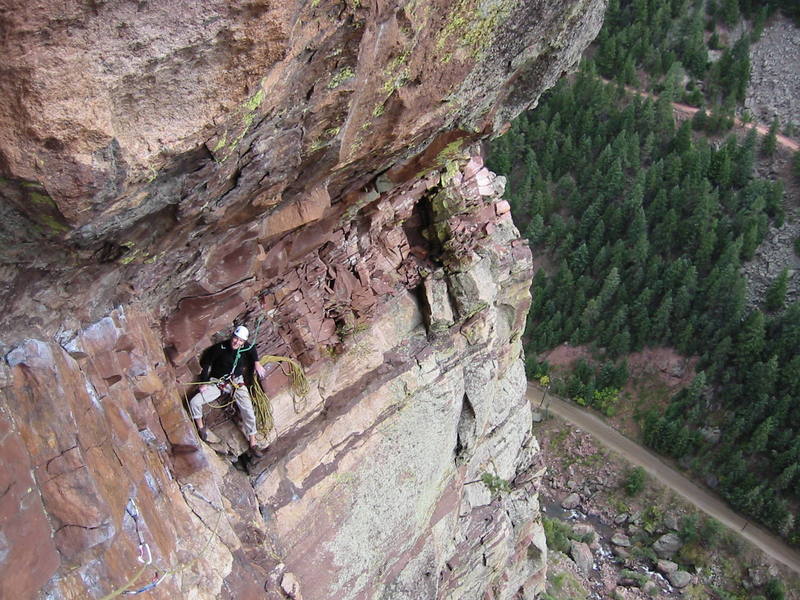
column 226, row 365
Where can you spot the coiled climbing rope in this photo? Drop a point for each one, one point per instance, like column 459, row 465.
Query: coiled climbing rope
column 298, row 384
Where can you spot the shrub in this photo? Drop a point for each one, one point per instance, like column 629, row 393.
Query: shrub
column 774, row 589
column 652, row 518
column 535, row 369
column 605, row 401
column 497, row 485
column 710, row 532
column 693, row 554
column 639, row 578
column 557, row 534
column 688, row 530
column 634, row 481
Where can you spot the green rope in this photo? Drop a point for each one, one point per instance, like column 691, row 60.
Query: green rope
column 242, row 350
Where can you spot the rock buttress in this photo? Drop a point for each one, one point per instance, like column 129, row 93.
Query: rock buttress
column 372, row 486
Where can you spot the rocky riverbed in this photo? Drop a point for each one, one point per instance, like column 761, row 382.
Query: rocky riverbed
column 604, row 543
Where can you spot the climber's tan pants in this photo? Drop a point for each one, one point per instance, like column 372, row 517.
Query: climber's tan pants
column 240, row 395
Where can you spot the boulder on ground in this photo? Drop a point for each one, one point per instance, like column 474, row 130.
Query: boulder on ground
column 582, row 556
column 679, row 579
column 651, row 588
column 628, row 578
column 666, row 566
column 671, row 521
column 621, row 552
column 584, row 530
column 570, row 502
column 620, row 539
column 667, row 545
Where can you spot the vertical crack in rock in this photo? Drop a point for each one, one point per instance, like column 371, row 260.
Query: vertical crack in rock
column 466, row 431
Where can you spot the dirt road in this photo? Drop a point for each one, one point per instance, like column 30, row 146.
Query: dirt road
column 701, row 498
column 689, row 111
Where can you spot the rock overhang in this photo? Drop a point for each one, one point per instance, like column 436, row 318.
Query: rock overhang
column 311, row 102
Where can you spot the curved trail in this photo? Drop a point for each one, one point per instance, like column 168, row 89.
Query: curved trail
column 702, row 499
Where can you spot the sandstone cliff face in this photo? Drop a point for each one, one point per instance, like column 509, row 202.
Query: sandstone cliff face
column 304, row 166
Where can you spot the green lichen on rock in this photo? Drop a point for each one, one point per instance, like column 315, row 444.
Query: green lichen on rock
column 445, row 205
column 154, row 258
column 40, row 199
column 396, row 73
column 44, row 209
column 254, row 102
column 139, row 255
column 248, row 111
column 51, row 223
column 327, row 136
column 340, row 77
column 472, row 25
column 451, row 168
column 221, row 143
column 451, row 153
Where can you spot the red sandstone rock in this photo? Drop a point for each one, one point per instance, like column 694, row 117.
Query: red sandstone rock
column 28, row 556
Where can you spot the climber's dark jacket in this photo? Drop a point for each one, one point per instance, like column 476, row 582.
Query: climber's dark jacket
column 217, row 361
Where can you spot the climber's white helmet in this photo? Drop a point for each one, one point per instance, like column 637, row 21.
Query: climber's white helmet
column 241, row 332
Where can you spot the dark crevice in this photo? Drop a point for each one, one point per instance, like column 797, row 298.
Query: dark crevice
column 62, row 453
column 466, row 434
column 5, row 491
column 218, row 292
column 84, row 527
column 424, row 306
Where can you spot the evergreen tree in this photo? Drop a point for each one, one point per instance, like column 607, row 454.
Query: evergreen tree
column 660, row 328
column 743, row 165
column 776, row 293
column 770, row 141
column 750, row 340
column 796, row 164
column 729, row 12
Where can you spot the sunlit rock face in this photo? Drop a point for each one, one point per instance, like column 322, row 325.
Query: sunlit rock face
column 310, row 170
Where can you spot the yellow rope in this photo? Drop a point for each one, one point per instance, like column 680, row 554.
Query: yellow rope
column 262, row 408
column 126, row 586
column 297, row 377
column 261, row 402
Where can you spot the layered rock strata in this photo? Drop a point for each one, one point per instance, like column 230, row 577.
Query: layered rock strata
column 408, row 471
column 144, row 142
